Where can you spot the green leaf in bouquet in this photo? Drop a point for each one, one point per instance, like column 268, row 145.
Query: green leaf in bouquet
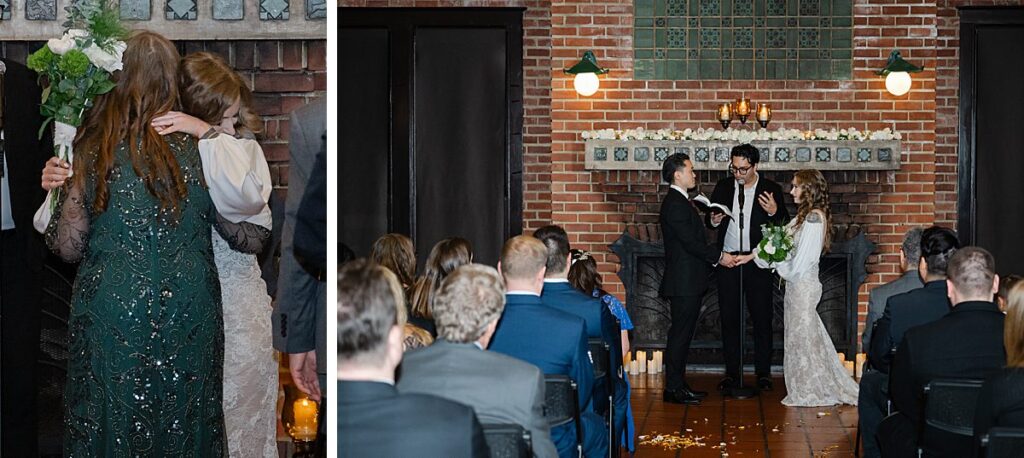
column 45, row 95
column 41, row 60
column 103, row 87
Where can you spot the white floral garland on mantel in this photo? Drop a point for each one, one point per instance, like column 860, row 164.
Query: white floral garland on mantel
column 742, row 135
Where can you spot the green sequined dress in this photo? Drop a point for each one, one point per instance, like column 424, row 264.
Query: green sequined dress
column 146, row 338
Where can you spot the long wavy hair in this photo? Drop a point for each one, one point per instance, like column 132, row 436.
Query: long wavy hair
column 145, row 89
column 1013, row 332
column 444, row 258
column 209, row 86
column 395, row 251
column 814, row 196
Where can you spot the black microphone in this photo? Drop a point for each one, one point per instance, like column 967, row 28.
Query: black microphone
column 742, row 196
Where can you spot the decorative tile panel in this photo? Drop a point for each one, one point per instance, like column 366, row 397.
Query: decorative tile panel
column 316, row 9
column 775, row 155
column 181, row 10
column 135, row 10
column 228, row 10
column 5, row 10
column 41, row 10
column 743, row 39
column 273, row 10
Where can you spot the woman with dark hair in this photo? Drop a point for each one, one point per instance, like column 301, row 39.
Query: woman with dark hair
column 146, row 337
column 395, row 251
column 444, row 258
column 814, row 376
column 583, row 276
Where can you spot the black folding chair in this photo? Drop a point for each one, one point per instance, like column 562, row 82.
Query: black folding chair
column 562, row 405
column 508, row 440
column 601, row 358
column 1002, row 442
column 948, row 409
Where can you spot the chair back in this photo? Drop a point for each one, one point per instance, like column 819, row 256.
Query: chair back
column 562, row 404
column 599, row 356
column 508, row 440
column 948, row 409
column 1002, row 442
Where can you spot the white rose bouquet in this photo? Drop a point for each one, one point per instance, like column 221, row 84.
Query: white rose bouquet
column 776, row 243
column 74, row 70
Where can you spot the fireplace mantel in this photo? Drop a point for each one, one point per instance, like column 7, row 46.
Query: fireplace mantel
column 602, row 154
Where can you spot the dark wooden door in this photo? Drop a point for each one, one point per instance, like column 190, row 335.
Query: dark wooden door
column 991, row 190
column 430, row 126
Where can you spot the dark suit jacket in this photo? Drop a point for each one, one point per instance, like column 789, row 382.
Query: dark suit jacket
column 600, row 323
column 26, row 155
column 723, row 194
column 375, row 421
column 310, row 242
column 300, row 307
column 966, row 343
column 688, row 257
column 552, row 340
column 878, row 298
column 1001, row 402
column 500, row 388
column 902, row 312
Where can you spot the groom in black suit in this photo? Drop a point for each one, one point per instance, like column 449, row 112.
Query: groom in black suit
column 22, row 156
column 688, row 261
column 762, row 203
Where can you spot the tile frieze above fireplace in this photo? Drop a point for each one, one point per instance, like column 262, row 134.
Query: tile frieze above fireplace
column 605, row 154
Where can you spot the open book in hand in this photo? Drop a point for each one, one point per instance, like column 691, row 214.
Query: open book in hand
column 703, row 200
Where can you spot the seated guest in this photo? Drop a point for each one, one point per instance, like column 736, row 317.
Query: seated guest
column 374, row 419
column 552, row 340
column 444, row 258
column 395, row 251
column 967, row 343
column 559, row 294
column 1005, row 285
column 500, row 388
column 920, row 306
column 874, row 385
column 414, row 337
column 583, row 276
column 1001, row 402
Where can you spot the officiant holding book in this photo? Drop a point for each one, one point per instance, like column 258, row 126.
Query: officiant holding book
column 759, row 201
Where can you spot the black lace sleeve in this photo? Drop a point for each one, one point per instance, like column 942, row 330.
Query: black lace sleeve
column 243, row 237
column 68, row 232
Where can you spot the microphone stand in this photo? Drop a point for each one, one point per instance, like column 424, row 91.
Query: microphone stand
column 739, row 391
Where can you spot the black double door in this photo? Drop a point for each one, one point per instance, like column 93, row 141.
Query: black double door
column 430, row 126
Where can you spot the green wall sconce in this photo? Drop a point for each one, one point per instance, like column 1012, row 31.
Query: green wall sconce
column 586, row 71
column 897, row 74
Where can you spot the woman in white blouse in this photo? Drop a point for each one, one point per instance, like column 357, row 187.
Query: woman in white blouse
column 814, row 375
column 236, row 171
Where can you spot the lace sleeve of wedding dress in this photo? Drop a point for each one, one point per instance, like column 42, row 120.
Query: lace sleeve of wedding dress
column 238, row 176
column 806, row 253
column 242, row 237
column 68, row 232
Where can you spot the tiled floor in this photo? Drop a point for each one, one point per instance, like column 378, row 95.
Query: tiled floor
column 759, row 426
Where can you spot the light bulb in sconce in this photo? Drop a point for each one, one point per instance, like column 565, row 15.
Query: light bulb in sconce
column 898, row 83
column 586, row 84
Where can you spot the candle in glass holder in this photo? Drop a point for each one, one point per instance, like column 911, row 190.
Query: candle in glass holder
column 764, row 114
column 304, row 428
column 725, row 114
column 743, row 109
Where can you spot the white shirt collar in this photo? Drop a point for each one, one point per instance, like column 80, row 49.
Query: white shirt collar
column 520, row 292
column 681, row 190
column 757, row 177
column 556, row 280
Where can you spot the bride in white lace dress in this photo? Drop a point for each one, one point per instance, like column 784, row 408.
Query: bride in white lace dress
column 814, row 374
column 238, row 178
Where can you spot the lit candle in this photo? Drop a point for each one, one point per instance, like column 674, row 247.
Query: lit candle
column 641, row 357
column 634, row 367
column 304, row 428
column 861, row 359
column 743, row 109
column 764, row 114
column 657, row 360
column 849, row 367
column 725, row 112
column 842, row 356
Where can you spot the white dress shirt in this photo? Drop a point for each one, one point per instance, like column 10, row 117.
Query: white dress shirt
column 732, row 232
column 681, row 191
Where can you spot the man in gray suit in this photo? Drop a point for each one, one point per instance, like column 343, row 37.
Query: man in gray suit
column 910, row 254
column 874, row 384
column 501, row 389
column 300, row 329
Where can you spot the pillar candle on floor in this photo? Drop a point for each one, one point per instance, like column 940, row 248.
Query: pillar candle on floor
column 849, row 367
column 641, row 356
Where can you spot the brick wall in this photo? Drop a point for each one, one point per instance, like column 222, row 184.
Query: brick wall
column 284, row 75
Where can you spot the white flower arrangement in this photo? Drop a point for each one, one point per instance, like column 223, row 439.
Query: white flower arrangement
column 741, row 135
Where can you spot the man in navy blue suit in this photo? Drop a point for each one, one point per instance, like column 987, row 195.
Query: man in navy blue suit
column 552, row 340
column 559, row 294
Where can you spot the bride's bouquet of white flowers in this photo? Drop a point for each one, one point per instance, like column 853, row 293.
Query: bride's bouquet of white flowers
column 74, row 70
column 776, row 243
